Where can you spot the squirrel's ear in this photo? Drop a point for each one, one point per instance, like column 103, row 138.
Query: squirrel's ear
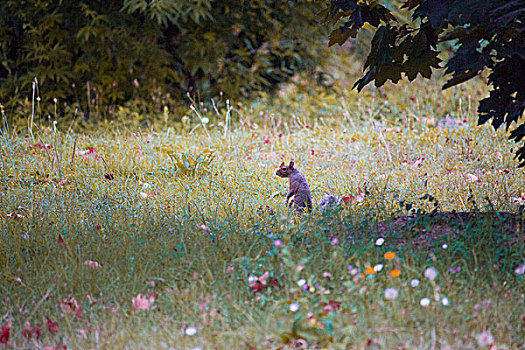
column 291, row 164
column 282, row 164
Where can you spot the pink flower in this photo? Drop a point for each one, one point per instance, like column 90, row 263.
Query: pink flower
column 142, row 302
column 418, row 162
column 61, row 183
column 136, row 83
column 92, row 264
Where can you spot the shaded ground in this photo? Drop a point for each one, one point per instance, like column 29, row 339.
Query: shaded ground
column 425, row 229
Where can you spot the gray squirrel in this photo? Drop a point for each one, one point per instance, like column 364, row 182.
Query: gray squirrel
column 302, row 198
column 299, row 189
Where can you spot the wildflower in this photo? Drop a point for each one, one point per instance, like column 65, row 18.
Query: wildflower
column 277, row 242
column 431, row 273
column 395, row 273
column 424, row 302
column 301, row 282
column 378, row 267
column 471, row 178
column 380, row 241
column 520, row 270
column 142, row 302
column 92, row 264
column 485, row 339
column 327, row 274
column 252, row 278
column 418, row 162
column 391, row 293
column 414, row 283
column 294, row 307
column 205, row 120
column 445, row 301
column 370, row 271
column 352, row 270
column 335, row 241
column 144, row 185
column 390, row 255
column 191, row 331
column 444, row 246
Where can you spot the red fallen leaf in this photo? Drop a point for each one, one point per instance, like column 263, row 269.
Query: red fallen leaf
column 336, row 305
column 274, row 283
column 4, row 333
column 59, row 346
column 348, row 199
column 331, row 306
column 61, row 243
column 41, row 146
column 70, row 306
column 256, row 287
column 52, row 326
column 91, row 150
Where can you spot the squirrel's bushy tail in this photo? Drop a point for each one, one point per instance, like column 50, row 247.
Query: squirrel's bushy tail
column 329, row 201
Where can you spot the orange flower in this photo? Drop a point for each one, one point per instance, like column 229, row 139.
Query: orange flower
column 362, row 275
column 370, row 271
column 395, row 273
column 390, row 255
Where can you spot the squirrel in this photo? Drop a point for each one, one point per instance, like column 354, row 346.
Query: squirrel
column 302, row 199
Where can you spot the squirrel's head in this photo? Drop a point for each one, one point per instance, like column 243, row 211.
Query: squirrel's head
column 285, row 171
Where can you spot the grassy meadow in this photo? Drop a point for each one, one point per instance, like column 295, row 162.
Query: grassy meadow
column 174, row 234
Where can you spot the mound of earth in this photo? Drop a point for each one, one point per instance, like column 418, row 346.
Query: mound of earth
column 424, row 230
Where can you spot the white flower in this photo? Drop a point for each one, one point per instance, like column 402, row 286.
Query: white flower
column 143, row 194
column 431, row 273
column 144, row 185
column 414, row 283
column 252, row 278
column 445, row 301
column 471, row 178
column 378, row 267
column 520, row 270
column 205, row 120
column 380, row 241
column 444, row 246
column 294, row 307
column 301, row 282
column 191, row 331
column 424, row 302
column 485, row 339
column 391, row 293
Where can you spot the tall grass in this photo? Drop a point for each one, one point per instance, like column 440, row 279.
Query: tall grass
column 195, row 221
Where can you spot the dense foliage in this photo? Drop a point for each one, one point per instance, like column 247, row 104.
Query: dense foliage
column 488, row 34
column 98, row 53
